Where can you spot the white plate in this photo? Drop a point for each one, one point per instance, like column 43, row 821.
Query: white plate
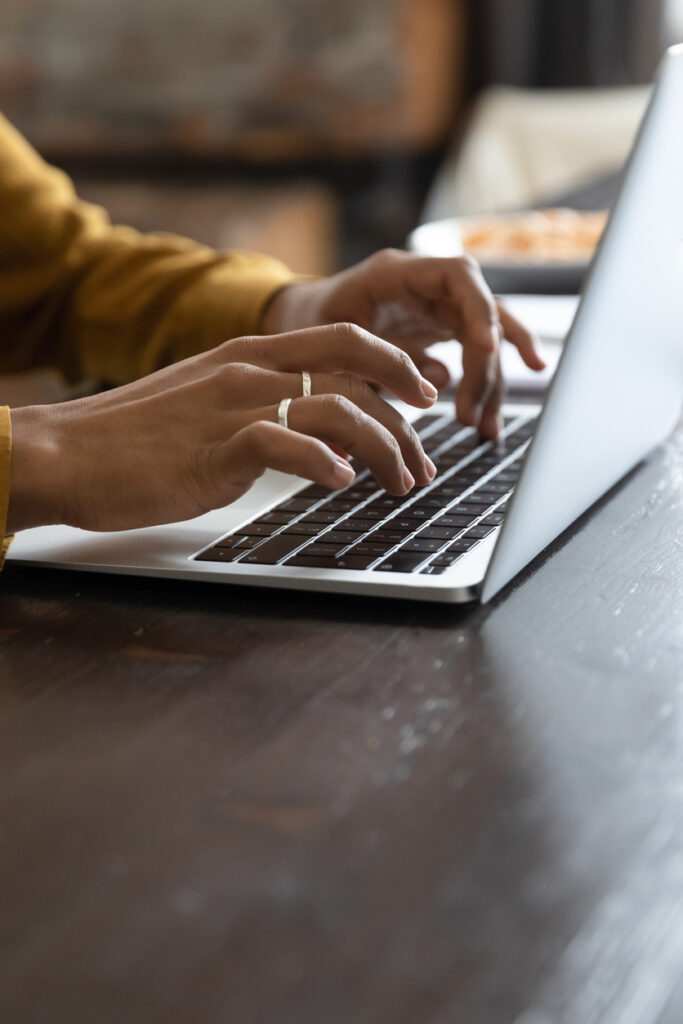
column 444, row 238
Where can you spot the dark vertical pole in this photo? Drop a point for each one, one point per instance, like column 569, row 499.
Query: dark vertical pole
column 560, row 43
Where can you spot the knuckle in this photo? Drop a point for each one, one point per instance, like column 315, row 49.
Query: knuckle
column 258, row 437
column 338, row 405
column 412, row 435
column 394, row 447
column 388, row 255
column 346, row 332
column 404, row 361
column 359, row 391
column 468, row 263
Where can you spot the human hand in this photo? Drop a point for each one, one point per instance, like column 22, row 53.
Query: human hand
column 414, row 301
column 195, row 436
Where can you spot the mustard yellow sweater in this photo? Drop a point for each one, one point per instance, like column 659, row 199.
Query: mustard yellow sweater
column 105, row 302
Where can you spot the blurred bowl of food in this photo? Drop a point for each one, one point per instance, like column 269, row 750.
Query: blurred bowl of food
column 534, row 251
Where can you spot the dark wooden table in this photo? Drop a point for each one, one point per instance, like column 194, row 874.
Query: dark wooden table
column 224, row 805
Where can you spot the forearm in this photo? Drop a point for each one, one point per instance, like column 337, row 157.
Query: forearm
column 103, row 301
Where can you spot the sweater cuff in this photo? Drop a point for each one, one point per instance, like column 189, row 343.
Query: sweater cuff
column 5, row 476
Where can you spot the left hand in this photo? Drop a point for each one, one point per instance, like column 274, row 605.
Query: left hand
column 414, row 301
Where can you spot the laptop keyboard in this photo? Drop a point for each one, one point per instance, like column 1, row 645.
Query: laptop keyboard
column 368, row 530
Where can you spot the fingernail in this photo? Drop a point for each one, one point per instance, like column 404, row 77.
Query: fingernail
column 408, row 479
column 428, row 390
column 343, row 473
column 429, row 467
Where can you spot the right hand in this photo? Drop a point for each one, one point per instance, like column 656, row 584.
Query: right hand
column 195, row 436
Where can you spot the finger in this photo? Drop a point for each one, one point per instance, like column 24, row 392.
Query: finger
column 472, row 312
column 263, row 445
column 433, row 370
column 341, row 348
column 334, row 419
column 460, row 298
column 491, row 422
column 523, row 340
column 367, row 399
column 479, row 375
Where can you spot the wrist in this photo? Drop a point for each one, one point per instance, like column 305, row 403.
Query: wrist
column 296, row 306
column 36, row 495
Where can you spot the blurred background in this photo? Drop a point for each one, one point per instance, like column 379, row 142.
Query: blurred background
column 319, row 132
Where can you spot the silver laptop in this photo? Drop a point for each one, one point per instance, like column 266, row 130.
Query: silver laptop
column 492, row 508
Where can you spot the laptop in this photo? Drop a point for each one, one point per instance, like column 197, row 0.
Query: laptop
column 493, row 507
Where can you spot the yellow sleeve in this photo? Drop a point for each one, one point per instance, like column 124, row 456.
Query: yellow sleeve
column 5, row 449
column 106, row 302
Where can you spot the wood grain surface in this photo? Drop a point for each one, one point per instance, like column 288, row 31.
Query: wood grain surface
column 219, row 805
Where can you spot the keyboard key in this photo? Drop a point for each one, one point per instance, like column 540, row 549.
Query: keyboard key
column 279, row 518
column 233, row 539
column 352, row 561
column 305, row 561
column 219, row 555
column 315, row 491
column 322, row 516
column 257, row 530
column 482, row 501
column 494, row 486
column 366, row 548
column 494, row 519
column 339, row 505
column 462, row 544
column 447, row 559
column 388, row 502
column 438, row 532
column 243, row 543
column 403, row 561
column 387, row 536
column 480, row 532
column 422, row 544
column 401, row 525
column 451, row 488
column 452, row 520
column 417, row 513
column 434, row 570
column 304, row 529
column 465, row 508
column 357, row 525
column 361, row 491
column 319, row 548
column 297, row 504
column 431, row 503
column 376, row 514
column 273, row 551
column 340, row 537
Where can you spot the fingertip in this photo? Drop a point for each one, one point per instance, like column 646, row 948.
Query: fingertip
column 342, row 473
column 436, row 374
column 491, row 426
column 408, row 480
column 428, row 390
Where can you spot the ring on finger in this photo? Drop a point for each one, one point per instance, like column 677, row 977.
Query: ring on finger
column 306, row 383
column 283, row 411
